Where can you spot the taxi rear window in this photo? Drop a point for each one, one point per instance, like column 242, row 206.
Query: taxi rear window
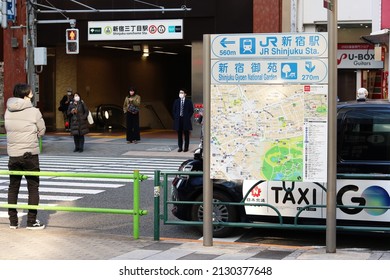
column 365, row 135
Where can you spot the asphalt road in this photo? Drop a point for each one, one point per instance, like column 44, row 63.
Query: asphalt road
column 121, row 197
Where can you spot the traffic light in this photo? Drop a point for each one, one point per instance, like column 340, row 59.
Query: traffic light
column 72, row 41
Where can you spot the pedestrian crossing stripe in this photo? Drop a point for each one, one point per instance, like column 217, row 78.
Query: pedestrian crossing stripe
column 146, row 166
column 54, row 190
column 46, row 197
column 74, row 184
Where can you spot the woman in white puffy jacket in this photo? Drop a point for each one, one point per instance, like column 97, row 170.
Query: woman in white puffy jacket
column 24, row 125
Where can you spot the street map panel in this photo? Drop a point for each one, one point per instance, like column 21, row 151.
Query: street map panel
column 268, row 132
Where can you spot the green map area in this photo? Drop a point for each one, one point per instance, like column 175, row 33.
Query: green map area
column 284, row 161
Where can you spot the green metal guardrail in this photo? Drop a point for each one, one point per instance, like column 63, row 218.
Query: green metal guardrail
column 279, row 225
column 39, row 139
column 136, row 211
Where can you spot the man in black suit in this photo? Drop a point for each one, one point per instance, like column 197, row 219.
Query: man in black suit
column 183, row 109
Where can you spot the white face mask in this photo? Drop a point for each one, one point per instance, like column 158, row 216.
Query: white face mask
column 69, row 93
column 181, row 95
column 77, row 98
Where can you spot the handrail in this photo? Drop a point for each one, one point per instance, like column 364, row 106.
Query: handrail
column 151, row 108
column 136, row 177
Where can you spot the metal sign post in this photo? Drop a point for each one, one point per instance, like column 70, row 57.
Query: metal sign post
column 332, row 130
column 207, row 183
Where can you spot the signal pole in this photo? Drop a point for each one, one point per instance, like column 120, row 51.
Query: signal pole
column 31, row 42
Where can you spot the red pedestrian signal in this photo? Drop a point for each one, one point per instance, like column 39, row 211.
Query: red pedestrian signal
column 72, row 34
column 72, row 41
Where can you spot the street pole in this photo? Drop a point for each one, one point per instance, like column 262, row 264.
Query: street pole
column 332, row 130
column 31, row 38
column 293, row 25
column 207, row 183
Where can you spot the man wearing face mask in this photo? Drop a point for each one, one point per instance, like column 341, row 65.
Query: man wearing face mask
column 182, row 111
column 24, row 125
column 64, row 104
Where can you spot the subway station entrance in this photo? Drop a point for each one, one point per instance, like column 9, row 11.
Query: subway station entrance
column 103, row 70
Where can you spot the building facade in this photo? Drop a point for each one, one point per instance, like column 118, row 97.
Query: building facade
column 103, row 70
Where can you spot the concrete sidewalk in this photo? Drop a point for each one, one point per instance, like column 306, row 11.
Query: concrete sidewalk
column 154, row 143
column 62, row 244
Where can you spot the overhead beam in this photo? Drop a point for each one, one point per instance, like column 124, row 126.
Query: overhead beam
column 54, row 10
column 162, row 10
column 82, row 4
column 72, row 22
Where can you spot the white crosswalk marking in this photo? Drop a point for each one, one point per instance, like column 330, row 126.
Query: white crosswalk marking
column 46, row 197
column 53, row 190
column 145, row 166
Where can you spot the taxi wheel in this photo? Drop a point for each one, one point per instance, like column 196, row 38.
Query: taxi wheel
column 221, row 213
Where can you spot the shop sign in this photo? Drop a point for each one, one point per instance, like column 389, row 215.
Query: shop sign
column 357, row 56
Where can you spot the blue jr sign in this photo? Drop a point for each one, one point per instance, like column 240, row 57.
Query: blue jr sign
column 293, row 58
column 290, row 45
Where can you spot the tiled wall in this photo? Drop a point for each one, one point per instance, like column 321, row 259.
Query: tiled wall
column 266, row 16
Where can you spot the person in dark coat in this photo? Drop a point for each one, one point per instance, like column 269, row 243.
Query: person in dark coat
column 182, row 111
column 64, row 104
column 78, row 111
column 131, row 107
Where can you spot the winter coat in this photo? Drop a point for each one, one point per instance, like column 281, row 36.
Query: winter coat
column 24, row 125
column 136, row 102
column 187, row 114
column 64, row 103
column 78, row 118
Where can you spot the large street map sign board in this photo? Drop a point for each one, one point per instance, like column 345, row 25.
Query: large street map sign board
column 269, row 107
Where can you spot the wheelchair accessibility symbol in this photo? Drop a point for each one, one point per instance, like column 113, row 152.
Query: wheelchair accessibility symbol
column 247, row 46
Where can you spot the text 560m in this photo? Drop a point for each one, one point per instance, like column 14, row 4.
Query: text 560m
column 242, row 270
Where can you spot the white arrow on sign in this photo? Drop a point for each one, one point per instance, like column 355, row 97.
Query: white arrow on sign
column 224, row 42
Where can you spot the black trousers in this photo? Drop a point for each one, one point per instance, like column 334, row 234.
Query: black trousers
column 79, row 142
column 180, row 133
column 27, row 162
column 132, row 127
